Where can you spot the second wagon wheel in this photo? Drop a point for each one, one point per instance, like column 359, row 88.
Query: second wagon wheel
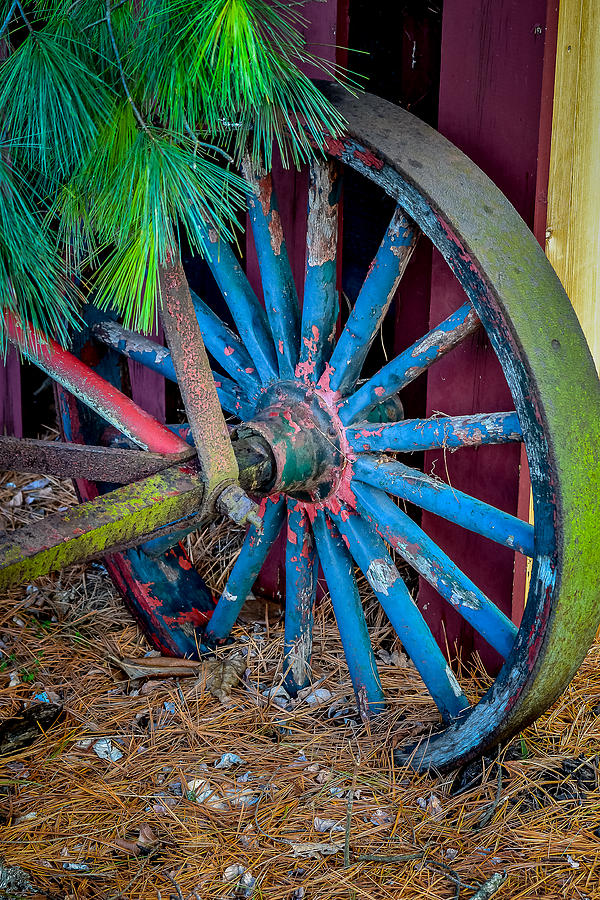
column 334, row 439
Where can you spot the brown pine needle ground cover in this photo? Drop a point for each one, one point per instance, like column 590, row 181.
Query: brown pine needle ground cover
column 129, row 795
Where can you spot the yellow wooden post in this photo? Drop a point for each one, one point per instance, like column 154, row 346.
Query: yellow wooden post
column 573, row 222
column 573, row 215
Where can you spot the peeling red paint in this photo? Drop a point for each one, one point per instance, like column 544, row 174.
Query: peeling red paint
column 195, row 617
column 369, row 159
column 90, row 388
column 462, row 252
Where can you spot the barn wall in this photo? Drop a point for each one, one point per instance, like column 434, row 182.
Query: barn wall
column 491, row 93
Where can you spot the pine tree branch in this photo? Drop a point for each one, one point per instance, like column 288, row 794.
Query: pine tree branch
column 200, row 143
column 6, row 22
column 25, row 19
column 103, row 19
column 130, row 99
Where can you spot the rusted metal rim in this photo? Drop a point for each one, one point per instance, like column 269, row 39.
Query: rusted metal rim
column 537, row 338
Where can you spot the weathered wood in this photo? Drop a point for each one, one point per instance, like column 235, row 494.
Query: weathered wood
column 195, row 379
column 22, row 730
column 112, row 522
column 161, row 504
column 110, row 464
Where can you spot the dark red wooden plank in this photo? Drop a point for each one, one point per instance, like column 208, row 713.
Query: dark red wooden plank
column 539, row 229
column 147, row 387
column 490, row 102
column 11, row 417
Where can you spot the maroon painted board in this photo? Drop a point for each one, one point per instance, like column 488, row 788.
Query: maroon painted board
column 539, row 230
column 489, row 105
column 11, row 417
column 147, row 387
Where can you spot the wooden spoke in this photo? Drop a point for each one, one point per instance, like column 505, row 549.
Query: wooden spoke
column 445, row 501
column 410, row 364
column 320, row 306
column 371, row 555
column 279, row 290
column 451, row 433
column 301, row 568
column 372, row 303
column 109, row 464
column 158, row 358
column 245, row 571
column 425, row 556
column 338, row 569
column 248, row 314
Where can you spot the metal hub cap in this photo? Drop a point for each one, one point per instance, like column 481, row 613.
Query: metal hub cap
column 301, row 426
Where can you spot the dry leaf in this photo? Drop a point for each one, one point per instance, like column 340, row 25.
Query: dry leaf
column 128, row 846
column 146, row 839
column 147, row 836
column 222, row 675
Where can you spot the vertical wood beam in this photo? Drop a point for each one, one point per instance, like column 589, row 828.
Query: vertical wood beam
column 148, row 387
column 11, row 416
column 573, row 223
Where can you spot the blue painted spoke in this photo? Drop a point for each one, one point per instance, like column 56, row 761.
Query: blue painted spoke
column 158, row 358
column 248, row 314
column 300, row 590
column 226, row 348
column 338, row 569
column 371, row 555
column 245, row 571
column 410, row 363
column 445, row 501
column 425, row 556
column 372, row 303
column 321, row 304
column 281, row 299
column 231, row 397
column 450, row 433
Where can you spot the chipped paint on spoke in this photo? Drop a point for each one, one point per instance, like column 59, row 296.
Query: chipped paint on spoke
column 381, row 575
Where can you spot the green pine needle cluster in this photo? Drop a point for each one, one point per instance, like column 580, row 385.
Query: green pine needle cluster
column 121, row 126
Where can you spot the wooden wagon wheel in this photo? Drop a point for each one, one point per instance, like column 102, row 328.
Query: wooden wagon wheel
column 321, row 447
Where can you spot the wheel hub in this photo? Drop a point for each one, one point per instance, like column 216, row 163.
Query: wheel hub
column 306, row 438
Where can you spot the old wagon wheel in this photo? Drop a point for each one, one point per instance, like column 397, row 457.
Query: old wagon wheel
column 322, row 446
